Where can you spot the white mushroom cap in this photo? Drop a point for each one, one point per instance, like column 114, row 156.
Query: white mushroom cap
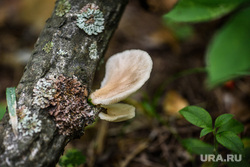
column 117, row 112
column 125, row 73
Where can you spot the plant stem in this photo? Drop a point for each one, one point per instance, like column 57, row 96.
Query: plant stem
column 167, row 81
column 215, row 164
column 159, row 92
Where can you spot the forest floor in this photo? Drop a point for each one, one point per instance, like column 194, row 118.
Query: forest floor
column 153, row 137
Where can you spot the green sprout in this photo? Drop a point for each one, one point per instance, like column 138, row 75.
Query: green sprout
column 225, row 131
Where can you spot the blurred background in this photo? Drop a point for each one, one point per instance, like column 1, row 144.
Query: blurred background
column 177, row 80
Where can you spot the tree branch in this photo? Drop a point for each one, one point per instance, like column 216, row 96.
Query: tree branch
column 63, row 49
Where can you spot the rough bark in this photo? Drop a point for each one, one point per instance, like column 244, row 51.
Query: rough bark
column 46, row 147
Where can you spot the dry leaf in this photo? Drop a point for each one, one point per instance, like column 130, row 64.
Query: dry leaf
column 173, row 102
column 164, row 36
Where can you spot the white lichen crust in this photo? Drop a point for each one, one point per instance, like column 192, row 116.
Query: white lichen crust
column 28, row 123
column 62, row 52
column 93, row 51
column 91, row 19
column 43, row 92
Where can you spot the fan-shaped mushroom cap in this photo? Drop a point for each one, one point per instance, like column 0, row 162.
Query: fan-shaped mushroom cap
column 125, row 73
column 117, row 112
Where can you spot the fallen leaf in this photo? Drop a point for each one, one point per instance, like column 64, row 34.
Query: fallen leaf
column 173, row 102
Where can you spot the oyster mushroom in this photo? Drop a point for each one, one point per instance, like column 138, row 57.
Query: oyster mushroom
column 126, row 72
column 117, row 112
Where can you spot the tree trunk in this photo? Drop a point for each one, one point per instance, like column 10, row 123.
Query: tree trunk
column 63, row 51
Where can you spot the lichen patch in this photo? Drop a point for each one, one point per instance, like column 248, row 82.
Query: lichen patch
column 66, row 98
column 62, row 8
column 62, row 52
column 48, row 46
column 93, row 51
column 43, row 92
column 28, row 122
column 91, row 19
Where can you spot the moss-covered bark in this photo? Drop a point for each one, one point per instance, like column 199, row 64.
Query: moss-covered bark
column 61, row 49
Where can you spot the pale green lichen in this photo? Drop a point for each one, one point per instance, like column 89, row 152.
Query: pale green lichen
column 48, row 46
column 28, row 122
column 91, row 19
column 93, row 51
column 43, row 92
column 63, row 7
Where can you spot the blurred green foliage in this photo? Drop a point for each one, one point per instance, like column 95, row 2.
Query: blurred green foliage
column 182, row 31
column 72, row 158
column 196, row 146
column 228, row 54
column 201, row 10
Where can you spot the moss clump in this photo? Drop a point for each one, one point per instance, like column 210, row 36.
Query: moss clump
column 62, row 8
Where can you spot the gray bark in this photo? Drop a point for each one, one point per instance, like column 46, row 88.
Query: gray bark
column 46, row 147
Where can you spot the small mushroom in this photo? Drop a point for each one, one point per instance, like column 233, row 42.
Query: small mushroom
column 126, row 72
column 117, row 112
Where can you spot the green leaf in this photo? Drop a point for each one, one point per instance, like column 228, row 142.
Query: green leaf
column 196, row 146
column 2, row 110
column 205, row 131
column 233, row 126
column 200, row 10
column 11, row 103
column 231, row 141
column 72, row 158
column 228, row 53
column 181, row 30
column 149, row 108
column 222, row 119
column 11, row 100
column 197, row 116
